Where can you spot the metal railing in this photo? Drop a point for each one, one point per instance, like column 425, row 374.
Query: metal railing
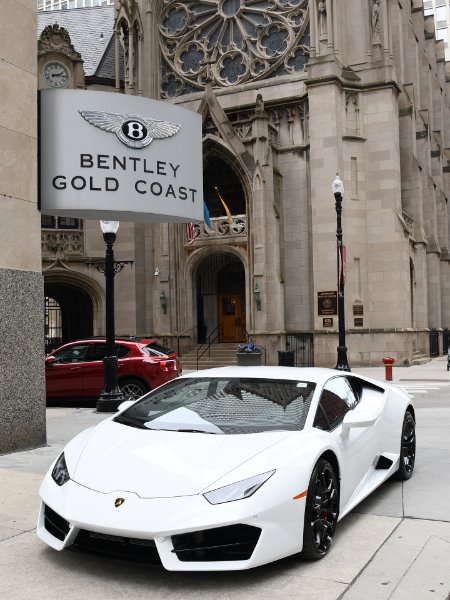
column 434, row 342
column 206, row 347
column 445, row 341
column 303, row 346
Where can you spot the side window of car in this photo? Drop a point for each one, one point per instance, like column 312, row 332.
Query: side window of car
column 122, row 350
column 337, row 399
column 72, row 354
column 97, row 352
column 320, row 420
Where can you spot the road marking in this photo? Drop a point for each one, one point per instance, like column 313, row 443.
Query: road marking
column 413, row 388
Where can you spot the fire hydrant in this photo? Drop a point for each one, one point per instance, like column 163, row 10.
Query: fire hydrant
column 388, row 362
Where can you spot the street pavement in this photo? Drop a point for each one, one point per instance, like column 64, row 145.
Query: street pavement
column 393, row 546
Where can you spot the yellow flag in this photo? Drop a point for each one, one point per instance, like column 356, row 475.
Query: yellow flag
column 227, row 210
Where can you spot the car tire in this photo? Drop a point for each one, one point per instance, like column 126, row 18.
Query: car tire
column 407, row 448
column 321, row 511
column 133, row 389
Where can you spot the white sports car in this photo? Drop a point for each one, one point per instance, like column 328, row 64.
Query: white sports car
column 228, row 468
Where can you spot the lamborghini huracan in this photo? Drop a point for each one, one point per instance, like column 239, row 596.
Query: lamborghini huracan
column 229, row 468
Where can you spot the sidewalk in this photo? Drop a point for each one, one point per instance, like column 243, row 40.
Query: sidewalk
column 393, row 546
column 435, row 370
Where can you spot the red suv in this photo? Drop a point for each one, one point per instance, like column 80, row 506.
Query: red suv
column 75, row 370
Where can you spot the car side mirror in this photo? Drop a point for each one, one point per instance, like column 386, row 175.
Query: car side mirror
column 359, row 418
column 50, row 360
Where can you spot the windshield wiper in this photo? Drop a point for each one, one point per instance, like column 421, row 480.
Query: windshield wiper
column 196, row 431
column 182, row 430
column 130, row 422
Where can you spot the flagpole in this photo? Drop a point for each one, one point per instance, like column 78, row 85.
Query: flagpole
column 227, row 210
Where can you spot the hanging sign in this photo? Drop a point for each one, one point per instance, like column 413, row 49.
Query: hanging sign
column 105, row 155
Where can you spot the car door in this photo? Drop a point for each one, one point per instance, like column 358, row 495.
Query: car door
column 94, row 371
column 64, row 374
column 357, row 447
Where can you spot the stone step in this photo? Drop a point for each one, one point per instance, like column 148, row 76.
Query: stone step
column 220, row 355
column 420, row 359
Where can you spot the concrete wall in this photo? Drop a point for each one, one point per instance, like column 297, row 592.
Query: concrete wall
column 22, row 386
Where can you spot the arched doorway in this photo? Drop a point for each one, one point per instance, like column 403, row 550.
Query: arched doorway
column 220, row 287
column 68, row 314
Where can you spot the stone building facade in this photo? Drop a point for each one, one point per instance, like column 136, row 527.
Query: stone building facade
column 22, row 391
column 291, row 92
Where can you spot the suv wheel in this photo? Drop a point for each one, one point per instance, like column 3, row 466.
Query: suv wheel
column 133, row 389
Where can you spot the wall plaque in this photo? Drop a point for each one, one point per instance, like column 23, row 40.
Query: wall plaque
column 358, row 309
column 359, row 322
column 327, row 303
column 328, row 322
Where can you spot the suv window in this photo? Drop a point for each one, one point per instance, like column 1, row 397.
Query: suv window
column 122, row 350
column 337, row 399
column 72, row 354
column 155, row 349
column 98, row 351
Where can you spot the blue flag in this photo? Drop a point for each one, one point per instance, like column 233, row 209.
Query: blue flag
column 206, row 214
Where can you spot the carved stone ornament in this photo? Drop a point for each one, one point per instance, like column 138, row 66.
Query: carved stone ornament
column 322, row 10
column 229, row 42
column 376, row 41
column 57, row 39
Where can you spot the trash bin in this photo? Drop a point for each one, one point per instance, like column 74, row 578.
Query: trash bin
column 286, row 358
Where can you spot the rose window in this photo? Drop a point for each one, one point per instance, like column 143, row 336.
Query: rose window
column 229, row 42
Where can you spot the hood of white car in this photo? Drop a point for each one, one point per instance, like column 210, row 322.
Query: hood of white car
column 162, row 464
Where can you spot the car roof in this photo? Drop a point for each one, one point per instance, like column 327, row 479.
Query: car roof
column 119, row 338
column 314, row 374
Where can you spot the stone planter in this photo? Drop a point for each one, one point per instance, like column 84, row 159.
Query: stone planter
column 249, row 359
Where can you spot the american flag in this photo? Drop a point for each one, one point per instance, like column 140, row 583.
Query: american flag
column 190, row 233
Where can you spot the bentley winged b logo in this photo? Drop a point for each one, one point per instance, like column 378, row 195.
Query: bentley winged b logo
column 133, row 131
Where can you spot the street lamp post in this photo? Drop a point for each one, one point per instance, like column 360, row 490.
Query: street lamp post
column 111, row 396
column 338, row 191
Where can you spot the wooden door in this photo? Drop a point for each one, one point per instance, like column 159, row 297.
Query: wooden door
column 232, row 317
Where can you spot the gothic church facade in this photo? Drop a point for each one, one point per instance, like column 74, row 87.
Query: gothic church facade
column 292, row 92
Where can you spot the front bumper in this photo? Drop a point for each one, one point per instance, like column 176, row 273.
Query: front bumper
column 185, row 533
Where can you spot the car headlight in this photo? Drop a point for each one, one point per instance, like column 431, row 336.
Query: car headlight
column 60, row 474
column 238, row 491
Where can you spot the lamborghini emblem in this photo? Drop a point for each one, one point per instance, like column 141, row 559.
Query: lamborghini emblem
column 119, row 502
column 133, row 131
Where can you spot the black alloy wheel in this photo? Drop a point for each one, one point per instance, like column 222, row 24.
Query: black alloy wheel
column 407, row 448
column 321, row 511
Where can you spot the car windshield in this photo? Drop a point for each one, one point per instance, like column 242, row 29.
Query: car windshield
column 223, row 405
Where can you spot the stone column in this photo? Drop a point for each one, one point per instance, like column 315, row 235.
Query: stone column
column 434, row 289
column 420, row 291
column 22, row 383
column 117, row 54
column 139, row 85
column 131, row 76
column 266, row 235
